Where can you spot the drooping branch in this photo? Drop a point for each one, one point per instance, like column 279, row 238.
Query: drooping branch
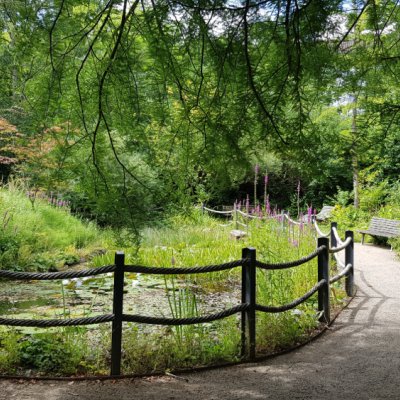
column 250, row 75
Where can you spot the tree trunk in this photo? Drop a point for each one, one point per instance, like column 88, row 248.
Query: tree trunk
column 353, row 152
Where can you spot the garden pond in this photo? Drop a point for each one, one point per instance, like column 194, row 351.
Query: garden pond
column 83, row 297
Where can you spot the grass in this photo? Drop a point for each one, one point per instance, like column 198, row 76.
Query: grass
column 40, row 236
column 201, row 240
column 189, row 240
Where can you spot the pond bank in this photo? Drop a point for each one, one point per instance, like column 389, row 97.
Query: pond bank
column 358, row 358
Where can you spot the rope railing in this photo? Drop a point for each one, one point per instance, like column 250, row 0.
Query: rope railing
column 241, row 224
column 336, row 234
column 225, row 225
column 341, row 247
column 247, row 307
column 292, row 221
column 184, row 270
column 290, row 264
column 185, row 321
column 49, row 323
column 319, row 232
column 294, row 303
column 46, row 276
column 345, row 272
column 217, row 211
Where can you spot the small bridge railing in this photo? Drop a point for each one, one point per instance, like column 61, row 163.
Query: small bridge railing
column 247, row 308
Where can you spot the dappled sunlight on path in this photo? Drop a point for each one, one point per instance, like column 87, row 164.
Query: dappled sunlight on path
column 358, row 358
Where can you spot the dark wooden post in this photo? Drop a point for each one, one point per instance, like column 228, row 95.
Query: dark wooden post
column 118, row 297
column 235, row 216
column 333, row 237
column 349, row 259
column 323, row 273
column 249, row 297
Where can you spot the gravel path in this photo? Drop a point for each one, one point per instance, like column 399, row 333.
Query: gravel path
column 359, row 358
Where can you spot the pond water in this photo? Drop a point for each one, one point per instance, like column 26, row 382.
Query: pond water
column 143, row 294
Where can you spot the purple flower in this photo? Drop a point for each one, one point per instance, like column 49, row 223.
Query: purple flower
column 309, row 214
column 266, row 180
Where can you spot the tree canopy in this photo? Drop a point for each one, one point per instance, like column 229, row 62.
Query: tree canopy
column 133, row 107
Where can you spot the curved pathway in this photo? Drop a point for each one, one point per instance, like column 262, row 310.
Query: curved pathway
column 358, row 358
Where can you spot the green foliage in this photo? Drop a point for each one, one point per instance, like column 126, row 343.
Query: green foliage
column 43, row 236
column 49, row 353
column 57, row 352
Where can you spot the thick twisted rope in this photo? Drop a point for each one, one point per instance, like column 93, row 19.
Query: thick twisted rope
column 38, row 276
column 184, row 270
column 294, row 303
column 319, row 232
column 42, row 323
column 240, row 223
column 292, row 221
column 185, row 321
column 342, row 274
column 243, row 213
column 336, row 234
column 225, row 225
column 342, row 247
column 291, row 264
column 218, row 212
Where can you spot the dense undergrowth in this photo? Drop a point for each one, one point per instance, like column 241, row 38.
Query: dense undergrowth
column 376, row 199
column 37, row 235
column 183, row 240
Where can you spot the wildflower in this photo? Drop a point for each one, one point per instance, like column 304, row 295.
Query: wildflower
column 65, row 282
column 309, row 214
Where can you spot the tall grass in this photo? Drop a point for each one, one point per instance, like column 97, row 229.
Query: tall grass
column 37, row 233
column 202, row 240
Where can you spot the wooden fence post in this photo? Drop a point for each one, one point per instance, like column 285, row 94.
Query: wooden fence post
column 235, row 216
column 118, row 298
column 249, row 297
column 349, row 259
column 333, row 237
column 323, row 273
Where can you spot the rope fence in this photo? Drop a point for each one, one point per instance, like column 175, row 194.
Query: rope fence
column 247, row 306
